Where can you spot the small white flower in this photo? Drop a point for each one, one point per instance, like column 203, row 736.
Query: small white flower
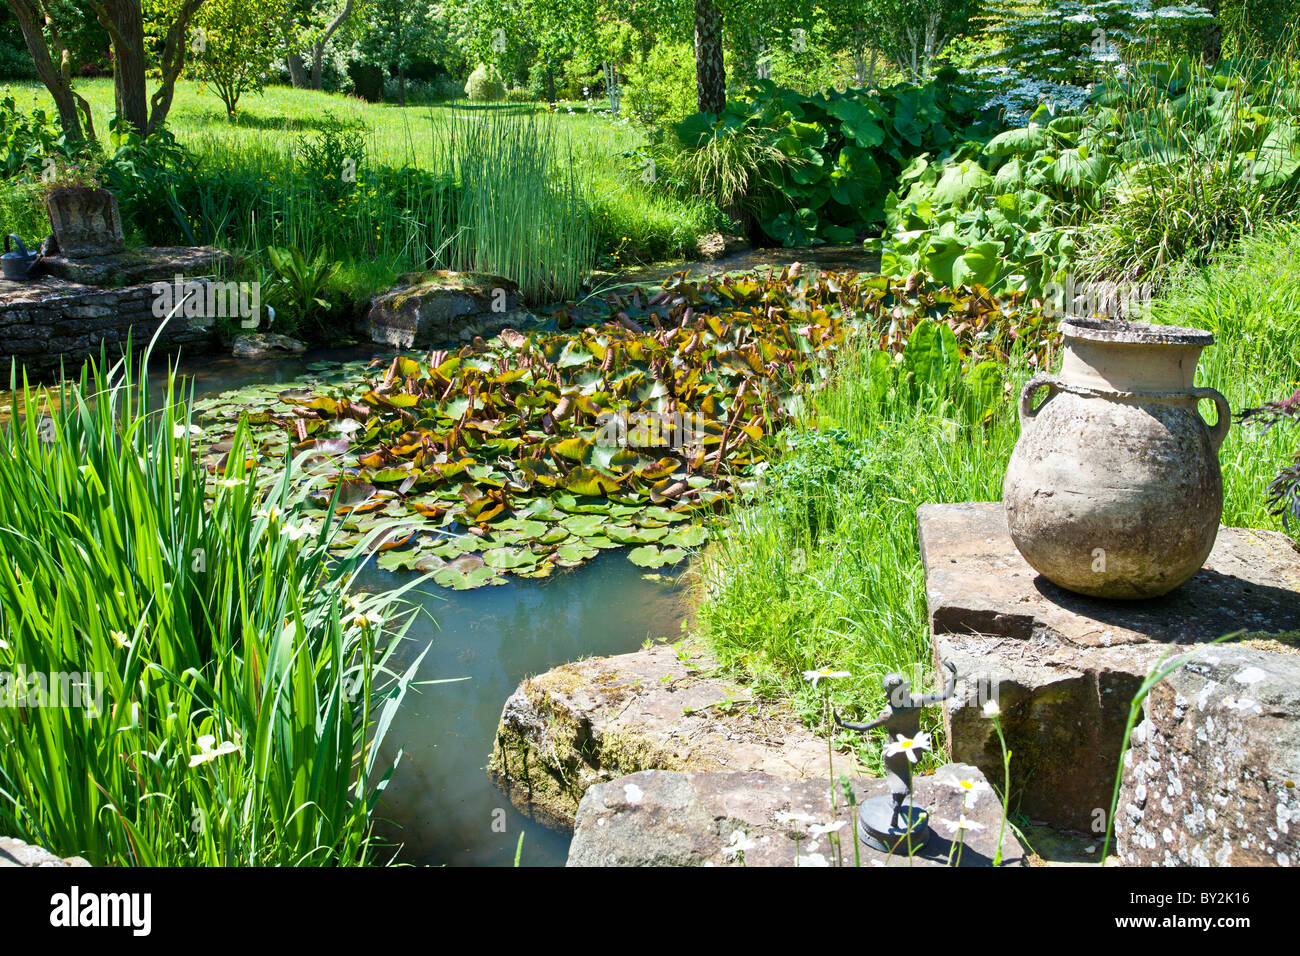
column 368, row 620
column 818, row 829
column 739, row 844
column 971, row 789
column 120, row 639
column 180, row 431
column 229, row 483
column 822, row 674
column 962, row 824
column 296, row 532
column 209, row 752
column 991, row 709
column 909, row 746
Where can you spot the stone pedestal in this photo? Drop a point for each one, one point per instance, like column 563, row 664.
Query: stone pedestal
column 1065, row 668
column 1212, row 777
column 665, row 818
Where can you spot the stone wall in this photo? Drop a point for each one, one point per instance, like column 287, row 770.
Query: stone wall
column 53, row 321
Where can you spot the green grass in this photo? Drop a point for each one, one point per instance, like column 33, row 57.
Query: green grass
column 182, row 596
column 823, row 570
column 250, row 186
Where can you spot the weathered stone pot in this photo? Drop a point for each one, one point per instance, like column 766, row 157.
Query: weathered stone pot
column 86, row 221
column 1114, row 489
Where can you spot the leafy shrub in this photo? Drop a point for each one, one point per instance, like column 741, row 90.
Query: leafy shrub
column 660, row 89
column 299, row 286
column 842, row 151
column 154, row 180
column 1174, row 162
column 28, row 140
column 484, row 85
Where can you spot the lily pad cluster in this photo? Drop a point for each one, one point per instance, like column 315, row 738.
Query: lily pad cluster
column 532, row 452
column 535, row 451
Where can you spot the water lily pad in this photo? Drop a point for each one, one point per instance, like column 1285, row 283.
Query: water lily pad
column 649, row 556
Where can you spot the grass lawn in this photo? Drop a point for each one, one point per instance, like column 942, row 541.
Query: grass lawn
column 251, row 186
column 273, row 120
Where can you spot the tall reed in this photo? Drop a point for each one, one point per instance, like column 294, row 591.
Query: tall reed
column 519, row 210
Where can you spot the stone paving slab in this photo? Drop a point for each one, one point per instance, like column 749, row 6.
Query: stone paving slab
column 665, row 818
column 1066, row 667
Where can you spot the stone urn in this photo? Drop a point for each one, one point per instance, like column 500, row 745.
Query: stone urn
column 1114, row 489
column 86, row 221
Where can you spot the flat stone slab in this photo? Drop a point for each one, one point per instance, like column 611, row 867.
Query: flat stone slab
column 604, row 717
column 17, row 853
column 659, row 818
column 1212, row 776
column 134, row 266
column 1064, row 667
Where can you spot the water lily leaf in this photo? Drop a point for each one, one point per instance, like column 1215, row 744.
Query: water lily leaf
column 649, row 556
column 507, row 559
column 626, row 534
column 584, row 525
column 689, row 537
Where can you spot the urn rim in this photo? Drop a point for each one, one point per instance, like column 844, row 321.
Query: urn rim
column 1133, row 333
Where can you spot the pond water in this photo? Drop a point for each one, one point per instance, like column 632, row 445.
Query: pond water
column 440, row 805
column 440, row 802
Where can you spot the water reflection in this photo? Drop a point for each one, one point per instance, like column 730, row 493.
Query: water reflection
column 440, row 803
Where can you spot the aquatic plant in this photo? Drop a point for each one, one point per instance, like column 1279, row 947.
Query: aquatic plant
column 533, row 452
column 188, row 676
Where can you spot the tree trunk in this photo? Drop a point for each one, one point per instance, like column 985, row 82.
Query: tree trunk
column 550, row 84
column 318, row 48
column 124, row 21
column 293, row 59
column 1212, row 39
column 710, row 71
column 297, row 69
column 57, row 79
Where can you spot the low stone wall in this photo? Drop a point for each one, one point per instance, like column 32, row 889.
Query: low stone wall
column 53, row 322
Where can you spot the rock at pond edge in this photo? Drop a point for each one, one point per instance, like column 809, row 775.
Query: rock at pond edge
column 601, row 718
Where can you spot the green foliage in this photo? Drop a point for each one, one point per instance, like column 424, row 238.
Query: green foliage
column 236, row 46
column 299, row 285
column 235, row 693
column 660, row 88
column 30, row 143
column 1058, row 47
column 843, row 151
column 484, row 85
column 1174, row 162
column 152, row 179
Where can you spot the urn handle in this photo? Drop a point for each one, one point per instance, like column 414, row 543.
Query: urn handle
column 1220, row 429
column 1027, row 409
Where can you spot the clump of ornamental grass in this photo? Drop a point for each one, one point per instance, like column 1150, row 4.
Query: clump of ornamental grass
column 188, row 675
